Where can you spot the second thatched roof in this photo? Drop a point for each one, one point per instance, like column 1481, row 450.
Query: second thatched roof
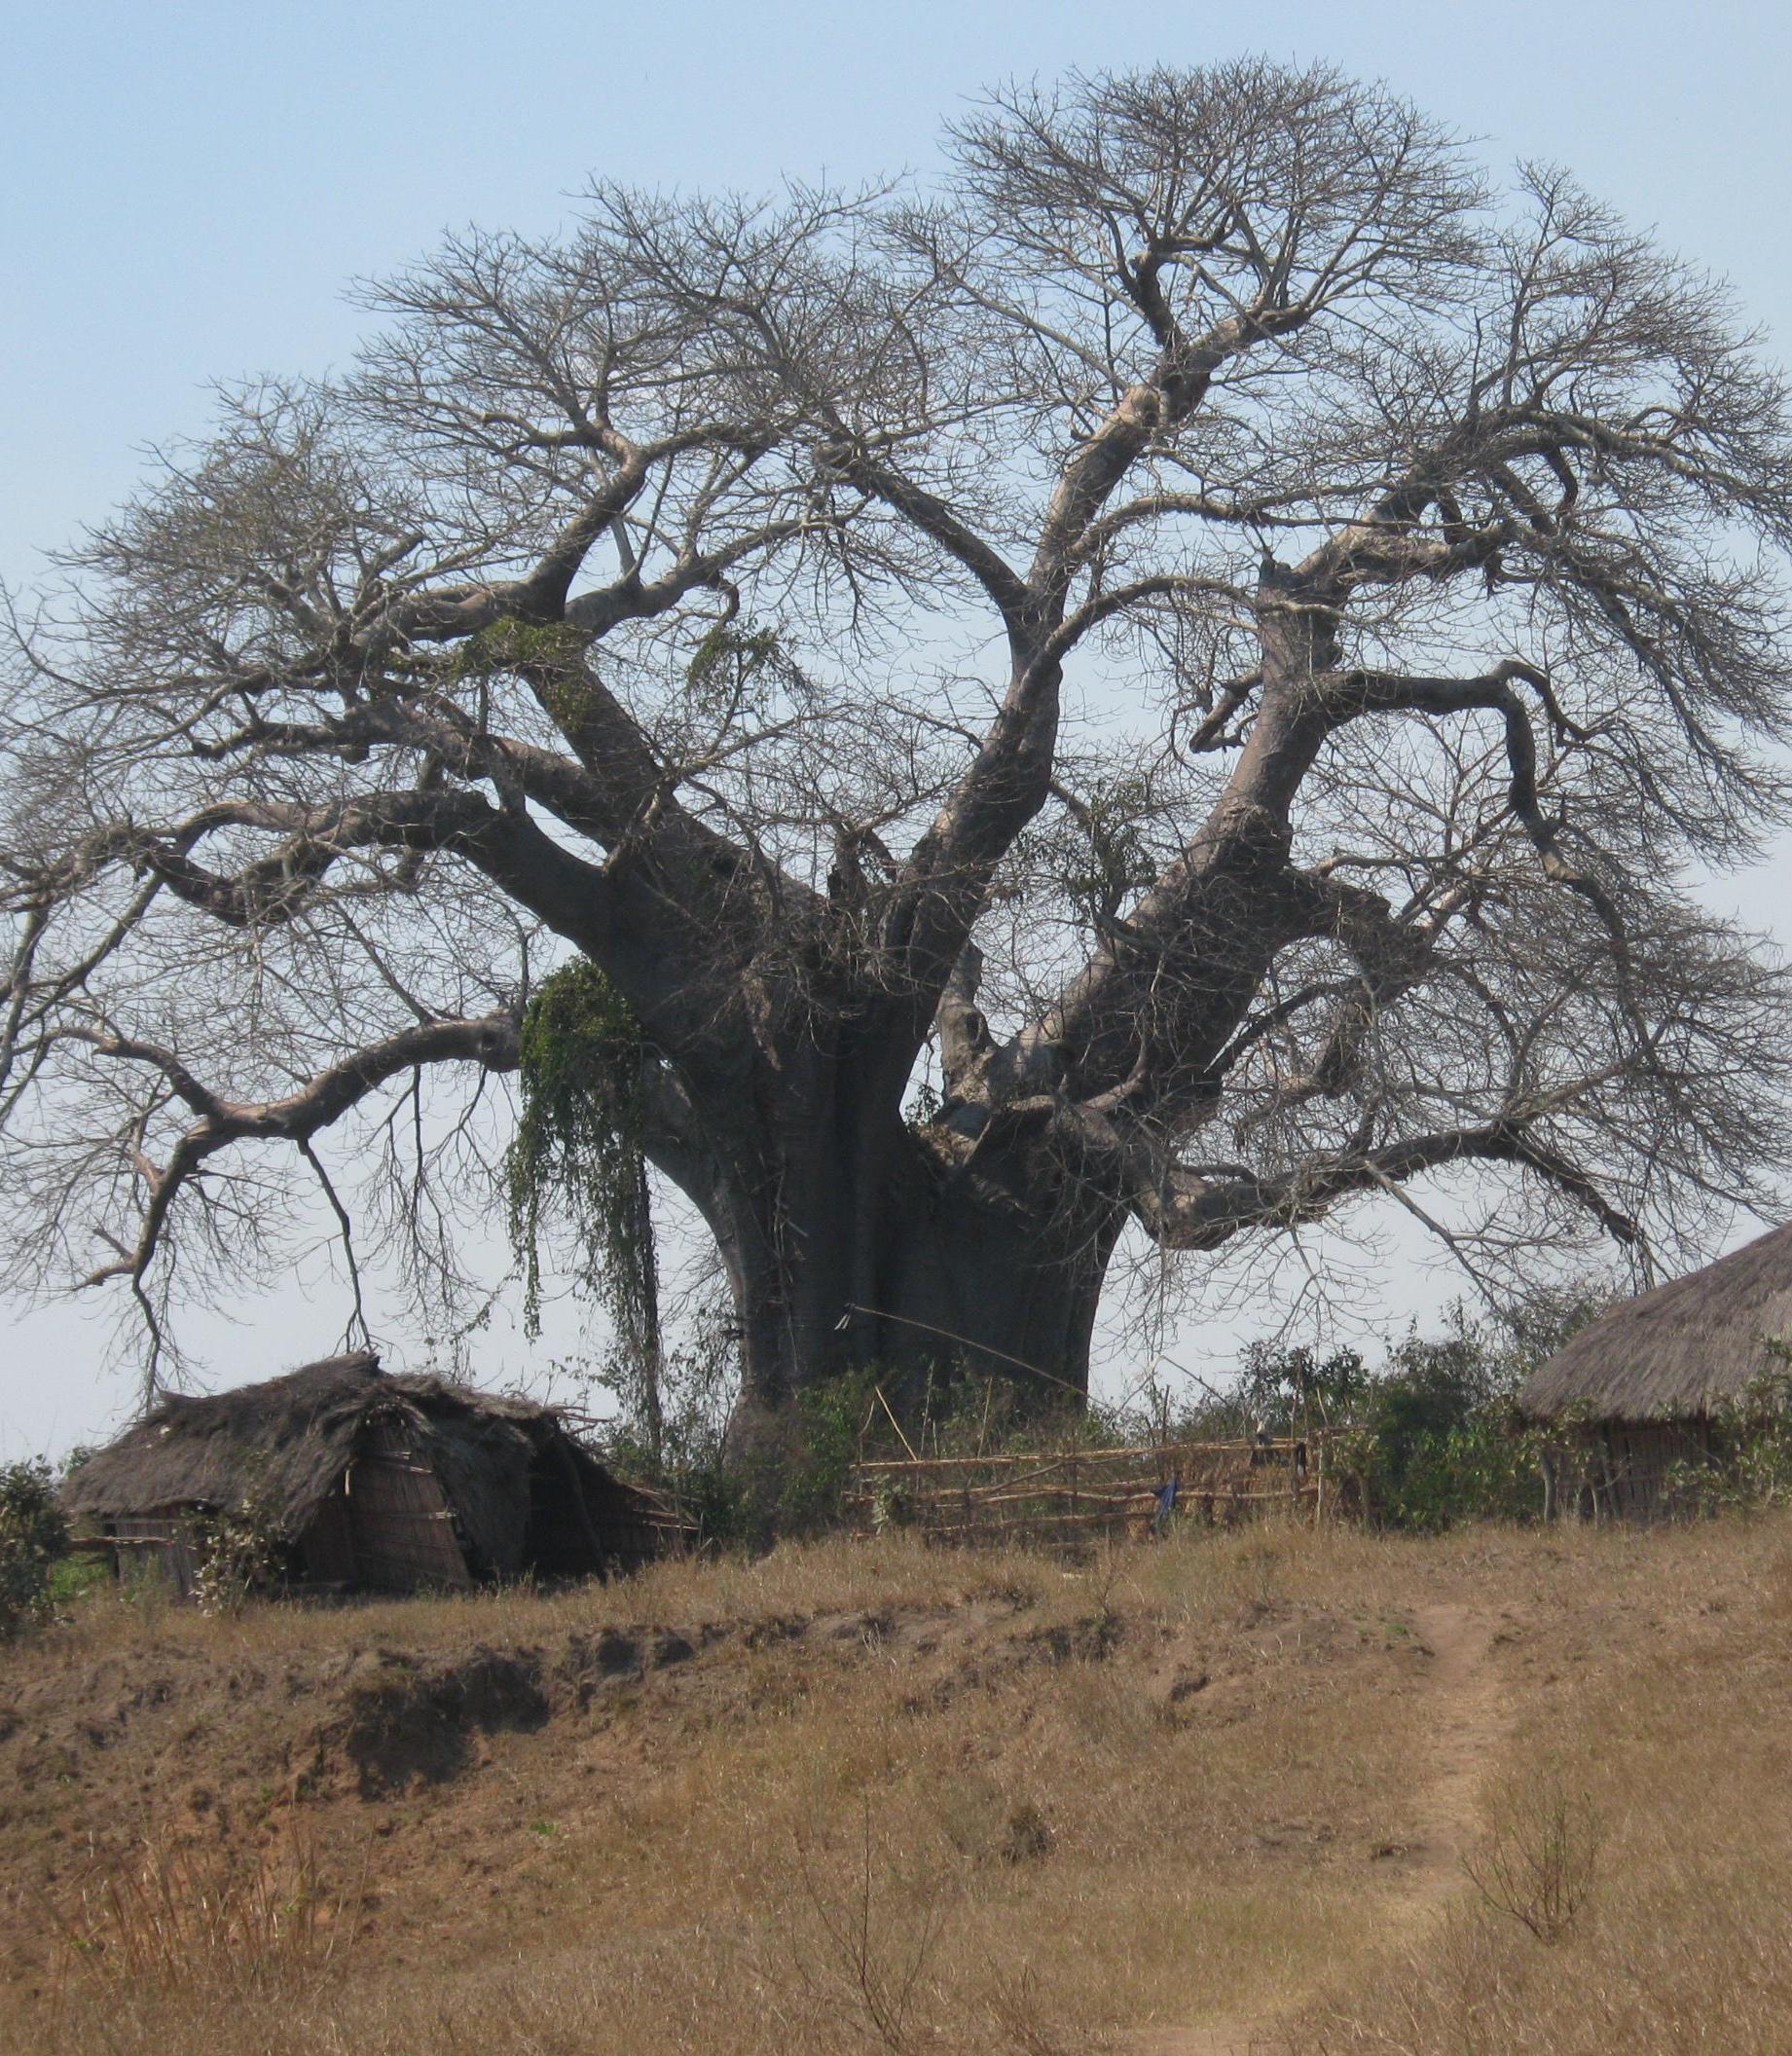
column 1685, row 1349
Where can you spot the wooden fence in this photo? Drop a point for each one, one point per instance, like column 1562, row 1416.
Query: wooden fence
column 1071, row 1494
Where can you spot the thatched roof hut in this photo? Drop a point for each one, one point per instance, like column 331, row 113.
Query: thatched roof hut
column 1649, row 1383
column 1684, row 1351
column 361, row 1480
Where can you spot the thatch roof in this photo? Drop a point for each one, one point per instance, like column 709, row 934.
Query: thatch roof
column 1685, row 1349
column 283, row 1446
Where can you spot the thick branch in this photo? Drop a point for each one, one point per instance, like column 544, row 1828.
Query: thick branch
column 934, row 519
column 1181, row 1213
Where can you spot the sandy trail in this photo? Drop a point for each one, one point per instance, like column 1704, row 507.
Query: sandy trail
column 1469, row 1720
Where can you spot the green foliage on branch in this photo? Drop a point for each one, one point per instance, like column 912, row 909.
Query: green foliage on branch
column 577, row 1150
column 1099, row 853
column 549, row 652
column 509, row 645
column 727, row 662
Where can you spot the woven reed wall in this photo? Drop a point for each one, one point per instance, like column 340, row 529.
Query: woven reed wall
column 1073, row 1494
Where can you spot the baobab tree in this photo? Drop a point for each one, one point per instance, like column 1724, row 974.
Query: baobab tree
column 1169, row 675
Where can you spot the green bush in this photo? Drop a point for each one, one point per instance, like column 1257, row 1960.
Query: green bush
column 33, row 1535
column 829, row 1420
column 1444, row 1442
column 1750, row 1469
column 1432, row 1436
column 74, row 1577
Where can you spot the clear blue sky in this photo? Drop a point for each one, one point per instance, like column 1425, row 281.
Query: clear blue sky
column 189, row 186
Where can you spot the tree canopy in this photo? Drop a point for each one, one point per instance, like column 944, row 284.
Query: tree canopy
column 1169, row 674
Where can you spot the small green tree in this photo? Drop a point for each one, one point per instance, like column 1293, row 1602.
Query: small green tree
column 33, row 1534
column 1300, row 1389
column 1445, row 1444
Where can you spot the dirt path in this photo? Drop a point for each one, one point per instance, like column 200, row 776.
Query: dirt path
column 1469, row 1720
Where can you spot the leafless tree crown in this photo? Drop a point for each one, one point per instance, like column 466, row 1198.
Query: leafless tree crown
column 1206, row 617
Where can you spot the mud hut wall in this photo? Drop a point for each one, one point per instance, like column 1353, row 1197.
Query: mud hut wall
column 635, row 1528
column 1647, row 1459
column 481, row 1462
column 582, row 1520
column 566, row 1536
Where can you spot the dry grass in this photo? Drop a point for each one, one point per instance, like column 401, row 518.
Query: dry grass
column 879, row 1797
column 1673, row 1734
column 177, row 1916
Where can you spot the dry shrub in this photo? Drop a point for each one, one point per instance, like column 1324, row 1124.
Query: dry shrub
column 1027, row 1835
column 1536, row 1862
column 863, row 1962
column 1695, row 1966
column 1017, row 2020
column 862, row 1945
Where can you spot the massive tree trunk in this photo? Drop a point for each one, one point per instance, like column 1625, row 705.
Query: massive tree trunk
column 853, row 1241
column 951, row 1282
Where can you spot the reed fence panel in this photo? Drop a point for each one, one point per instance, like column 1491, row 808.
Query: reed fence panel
column 1082, row 1493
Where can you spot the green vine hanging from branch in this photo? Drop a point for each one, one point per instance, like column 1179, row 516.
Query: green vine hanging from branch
column 577, row 1151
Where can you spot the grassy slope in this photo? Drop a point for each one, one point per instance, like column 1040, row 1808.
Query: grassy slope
column 869, row 1796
